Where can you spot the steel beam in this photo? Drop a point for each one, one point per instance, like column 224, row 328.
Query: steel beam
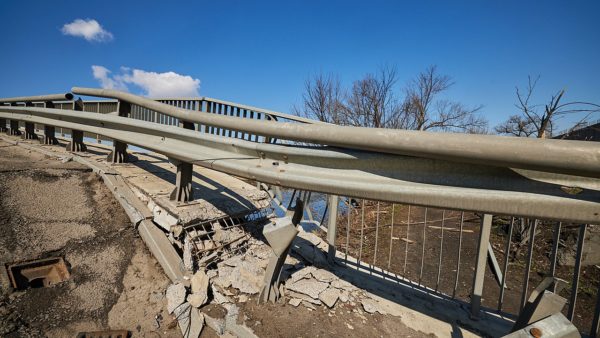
column 348, row 172
column 561, row 156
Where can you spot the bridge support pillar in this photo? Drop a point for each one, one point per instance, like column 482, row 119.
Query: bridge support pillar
column 183, row 191
column 119, row 151
column 333, row 201
column 3, row 125
column 76, row 143
column 29, row 127
column 280, row 236
column 482, row 254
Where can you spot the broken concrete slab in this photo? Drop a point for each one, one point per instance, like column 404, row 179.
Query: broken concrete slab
column 303, row 297
column 369, row 305
column 199, row 294
column 330, row 296
column 175, row 296
column 343, row 285
column 308, row 287
column 324, row 275
column 247, row 277
column 295, row 302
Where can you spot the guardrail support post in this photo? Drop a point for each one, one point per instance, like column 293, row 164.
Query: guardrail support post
column 76, row 143
column 119, row 151
column 13, row 128
column 333, row 201
column 183, row 191
column 29, row 127
column 480, row 265
column 49, row 131
column 3, row 125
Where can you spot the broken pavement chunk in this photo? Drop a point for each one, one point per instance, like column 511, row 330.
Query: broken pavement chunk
column 330, row 296
column 199, row 294
column 175, row 296
column 308, row 287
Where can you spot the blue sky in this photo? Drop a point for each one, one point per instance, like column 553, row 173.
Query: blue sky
column 260, row 53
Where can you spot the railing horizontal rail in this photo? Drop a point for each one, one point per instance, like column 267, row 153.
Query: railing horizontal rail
column 557, row 156
column 356, row 173
column 38, row 98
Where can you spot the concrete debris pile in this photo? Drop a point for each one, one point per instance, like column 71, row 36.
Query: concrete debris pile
column 312, row 287
column 208, row 242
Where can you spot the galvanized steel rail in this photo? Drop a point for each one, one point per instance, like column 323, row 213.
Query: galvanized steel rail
column 517, row 177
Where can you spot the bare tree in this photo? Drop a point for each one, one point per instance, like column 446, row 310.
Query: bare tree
column 423, row 109
column 372, row 102
column 539, row 122
column 322, row 99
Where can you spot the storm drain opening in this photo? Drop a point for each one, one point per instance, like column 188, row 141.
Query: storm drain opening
column 37, row 274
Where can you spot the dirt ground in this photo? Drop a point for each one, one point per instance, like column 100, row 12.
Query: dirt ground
column 54, row 209
column 404, row 257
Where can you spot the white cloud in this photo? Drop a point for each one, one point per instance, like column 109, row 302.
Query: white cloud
column 88, row 29
column 106, row 81
column 168, row 84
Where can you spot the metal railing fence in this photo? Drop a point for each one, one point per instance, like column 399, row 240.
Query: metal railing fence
column 408, row 192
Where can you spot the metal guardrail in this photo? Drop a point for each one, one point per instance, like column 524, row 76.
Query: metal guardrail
column 538, row 179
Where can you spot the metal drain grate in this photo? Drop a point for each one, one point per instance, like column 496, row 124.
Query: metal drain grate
column 38, row 273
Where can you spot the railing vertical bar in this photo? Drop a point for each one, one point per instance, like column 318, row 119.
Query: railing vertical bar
column 532, row 230
column 439, row 272
column 362, row 231
column 576, row 272
column 244, row 134
column 406, row 242
column 423, row 249
column 506, row 257
column 460, row 235
column 391, row 236
column 348, row 227
column 554, row 254
column 376, row 235
column 237, row 114
column 596, row 320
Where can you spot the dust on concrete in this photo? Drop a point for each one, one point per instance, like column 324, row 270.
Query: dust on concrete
column 48, row 209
